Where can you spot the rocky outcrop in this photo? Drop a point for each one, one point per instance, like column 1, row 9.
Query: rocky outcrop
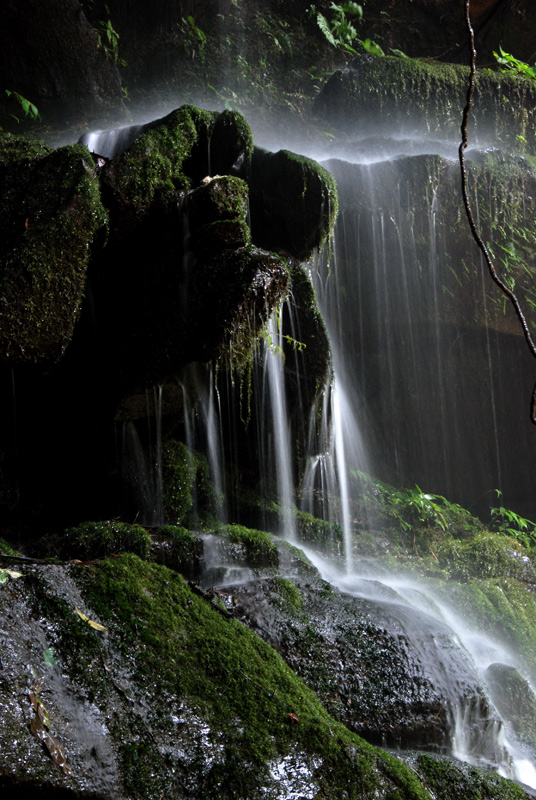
column 407, row 97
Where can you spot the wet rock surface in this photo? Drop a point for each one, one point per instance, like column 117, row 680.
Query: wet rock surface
column 392, row 675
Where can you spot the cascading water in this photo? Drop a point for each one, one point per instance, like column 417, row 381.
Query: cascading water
column 391, row 394
column 478, row 735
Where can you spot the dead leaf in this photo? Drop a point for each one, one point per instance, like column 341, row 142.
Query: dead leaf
column 96, row 625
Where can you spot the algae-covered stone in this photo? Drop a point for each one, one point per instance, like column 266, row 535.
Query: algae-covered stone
column 178, row 470
column 293, row 202
column 179, row 549
column 389, row 94
column 167, row 698
column 173, row 154
column 50, row 217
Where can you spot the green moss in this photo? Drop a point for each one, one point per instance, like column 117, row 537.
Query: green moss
column 50, row 217
column 190, row 496
column 260, row 549
column 411, row 95
column 318, row 531
column 290, row 595
column 448, row 780
column 240, row 685
column 180, row 549
column 97, row 539
column 178, row 468
column 80, row 651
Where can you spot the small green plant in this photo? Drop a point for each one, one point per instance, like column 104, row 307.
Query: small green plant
column 340, row 31
column 503, row 520
column 508, row 63
column 195, row 39
column 29, row 109
column 413, row 508
column 109, row 40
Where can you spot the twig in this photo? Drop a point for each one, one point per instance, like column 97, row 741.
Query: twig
column 469, row 212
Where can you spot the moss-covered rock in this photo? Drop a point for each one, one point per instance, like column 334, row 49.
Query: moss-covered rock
column 237, row 290
column 195, row 704
column 510, row 690
column 179, row 549
column 178, row 476
column 189, row 493
column 51, row 215
column 448, row 779
column 260, row 550
column 172, row 155
column 99, row 539
column 293, row 202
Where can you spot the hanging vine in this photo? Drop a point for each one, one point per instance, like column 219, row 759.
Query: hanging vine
column 468, row 209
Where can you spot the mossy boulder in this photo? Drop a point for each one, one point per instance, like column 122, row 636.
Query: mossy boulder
column 377, row 95
column 237, row 290
column 511, row 690
column 189, row 493
column 51, row 217
column 306, row 345
column 172, row 155
column 293, row 202
column 178, row 475
column 179, row 549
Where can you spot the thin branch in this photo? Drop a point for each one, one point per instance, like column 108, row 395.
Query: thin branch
column 468, row 209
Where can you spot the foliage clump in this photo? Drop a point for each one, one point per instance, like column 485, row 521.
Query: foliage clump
column 179, row 549
column 448, row 779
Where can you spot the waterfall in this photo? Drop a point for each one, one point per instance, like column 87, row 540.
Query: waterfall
column 394, row 402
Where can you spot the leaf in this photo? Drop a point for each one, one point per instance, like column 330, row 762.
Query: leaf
column 8, row 573
column 50, row 657
column 324, row 27
column 96, row 625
